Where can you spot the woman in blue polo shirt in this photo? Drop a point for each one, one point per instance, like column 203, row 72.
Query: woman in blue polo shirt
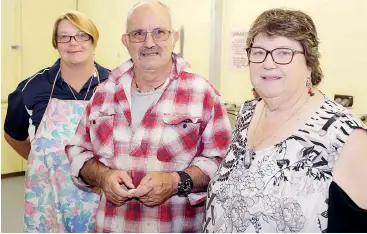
column 42, row 115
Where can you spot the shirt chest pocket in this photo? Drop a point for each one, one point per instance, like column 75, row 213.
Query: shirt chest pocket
column 101, row 133
column 180, row 138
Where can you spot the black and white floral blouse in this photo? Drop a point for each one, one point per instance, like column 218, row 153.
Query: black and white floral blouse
column 286, row 187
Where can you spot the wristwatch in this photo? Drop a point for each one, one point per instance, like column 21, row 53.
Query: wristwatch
column 185, row 185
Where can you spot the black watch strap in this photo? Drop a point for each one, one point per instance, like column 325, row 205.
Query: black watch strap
column 185, row 185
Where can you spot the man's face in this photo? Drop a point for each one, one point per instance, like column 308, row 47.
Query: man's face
column 152, row 23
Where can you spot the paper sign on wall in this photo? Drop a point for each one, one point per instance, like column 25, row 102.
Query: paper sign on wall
column 237, row 51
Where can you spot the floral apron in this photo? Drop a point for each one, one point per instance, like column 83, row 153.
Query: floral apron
column 52, row 202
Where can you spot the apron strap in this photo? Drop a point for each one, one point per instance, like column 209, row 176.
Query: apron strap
column 53, row 86
column 57, row 75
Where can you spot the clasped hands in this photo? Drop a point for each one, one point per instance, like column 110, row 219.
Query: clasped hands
column 154, row 189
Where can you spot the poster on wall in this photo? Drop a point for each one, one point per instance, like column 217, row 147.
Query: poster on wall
column 237, row 51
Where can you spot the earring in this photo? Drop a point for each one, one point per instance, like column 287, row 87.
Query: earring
column 309, row 86
column 254, row 93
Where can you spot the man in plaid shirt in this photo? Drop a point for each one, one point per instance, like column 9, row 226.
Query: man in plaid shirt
column 152, row 136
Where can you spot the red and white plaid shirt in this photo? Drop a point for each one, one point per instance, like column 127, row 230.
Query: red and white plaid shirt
column 187, row 126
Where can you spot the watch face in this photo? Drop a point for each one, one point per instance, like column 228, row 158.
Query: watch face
column 185, row 186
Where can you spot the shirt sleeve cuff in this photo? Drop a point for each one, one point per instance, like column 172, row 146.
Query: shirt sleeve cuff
column 76, row 166
column 19, row 134
column 197, row 198
column 207, row 166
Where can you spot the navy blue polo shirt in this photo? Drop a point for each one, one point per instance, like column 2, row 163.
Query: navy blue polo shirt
column 27, row 104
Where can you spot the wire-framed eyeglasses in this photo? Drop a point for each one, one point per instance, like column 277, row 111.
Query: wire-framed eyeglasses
column 158, row 34
column 78, row 37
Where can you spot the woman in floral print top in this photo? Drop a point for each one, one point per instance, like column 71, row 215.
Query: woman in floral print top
column 294, row 153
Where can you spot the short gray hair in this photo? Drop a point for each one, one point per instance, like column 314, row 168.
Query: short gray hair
column 143, row 2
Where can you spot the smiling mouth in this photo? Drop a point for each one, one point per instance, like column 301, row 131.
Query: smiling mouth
column 271, row 77
column 73, row 52
column 149, row 54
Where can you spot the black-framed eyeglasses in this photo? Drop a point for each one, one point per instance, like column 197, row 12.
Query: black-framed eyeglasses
column 158, row 34
column 78, row 37
column 280, row 56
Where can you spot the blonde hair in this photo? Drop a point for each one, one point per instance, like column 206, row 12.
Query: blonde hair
column 295, row 25
column 80, row 21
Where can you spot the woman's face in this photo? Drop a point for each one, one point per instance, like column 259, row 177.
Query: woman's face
column 271, row 79
column 79, row 49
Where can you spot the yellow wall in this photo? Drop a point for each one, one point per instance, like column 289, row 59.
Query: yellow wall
column 37, row 25
column 11, row 36
column 342, row 32
column 27, row 24
column 111, row 19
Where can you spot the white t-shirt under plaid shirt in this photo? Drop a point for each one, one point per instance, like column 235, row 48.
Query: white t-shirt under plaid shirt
column 187, row 126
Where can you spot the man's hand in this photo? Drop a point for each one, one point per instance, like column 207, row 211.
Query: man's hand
column 113, row 186
column 155, row 188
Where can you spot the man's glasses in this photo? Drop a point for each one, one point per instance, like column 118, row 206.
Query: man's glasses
column 78, row 37
column 141, row 35
column 280, row 56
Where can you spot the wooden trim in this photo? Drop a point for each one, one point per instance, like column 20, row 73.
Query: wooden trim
column 13, row 174
column 4, row 101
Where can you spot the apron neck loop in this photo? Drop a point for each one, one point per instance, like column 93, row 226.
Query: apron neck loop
column 57, row 76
